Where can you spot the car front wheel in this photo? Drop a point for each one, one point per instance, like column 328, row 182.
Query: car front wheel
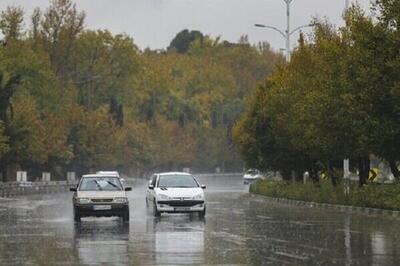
column 155, row 210
column 77, row 217
column 202, row 213
column 125, row 217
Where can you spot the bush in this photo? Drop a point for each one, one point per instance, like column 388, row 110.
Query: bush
column 372, row 196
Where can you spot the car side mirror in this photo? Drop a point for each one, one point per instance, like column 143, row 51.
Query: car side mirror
column 151, row 187
column 128, row 189
column 73, row 189
column 203, row 186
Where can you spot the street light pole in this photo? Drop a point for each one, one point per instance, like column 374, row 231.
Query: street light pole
column 288, row 2
column 346, row 162
column 287, row 33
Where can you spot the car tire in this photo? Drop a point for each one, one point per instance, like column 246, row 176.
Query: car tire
column 125, row 217
column 77, row 217
column 155, row 211
column 202, row 213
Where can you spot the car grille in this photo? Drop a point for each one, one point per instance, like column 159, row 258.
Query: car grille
column 181, row 203
column 184, row 198
column 102, row 200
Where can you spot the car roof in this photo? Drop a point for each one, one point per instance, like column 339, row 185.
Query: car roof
column 173, row 173
column 108, row 173
column 99, row 175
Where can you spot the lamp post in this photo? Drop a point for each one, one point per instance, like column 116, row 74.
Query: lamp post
column 346, row 162
column 288, row 2
column 287, row 33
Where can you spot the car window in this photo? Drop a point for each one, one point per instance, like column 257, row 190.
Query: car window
column 177, row 181
column 100, row 184
column 153, row 180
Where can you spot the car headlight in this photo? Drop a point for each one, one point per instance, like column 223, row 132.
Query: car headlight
column 120, row 200
column 163, row 197
column 83, row 200
column 198, row 197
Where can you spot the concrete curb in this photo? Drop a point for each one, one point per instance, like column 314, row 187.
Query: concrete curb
column 341, row 208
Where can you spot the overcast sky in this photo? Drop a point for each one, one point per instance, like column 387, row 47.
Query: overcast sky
column 153, row 23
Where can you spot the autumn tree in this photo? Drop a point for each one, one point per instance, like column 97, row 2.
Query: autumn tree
column 11, row 21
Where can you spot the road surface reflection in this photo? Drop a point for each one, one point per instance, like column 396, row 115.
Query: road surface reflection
column 238, row 229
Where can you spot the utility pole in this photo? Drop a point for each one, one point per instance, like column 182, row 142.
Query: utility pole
column 347, row 4
column 288, row 2
column 286, row 33
column 346, row 162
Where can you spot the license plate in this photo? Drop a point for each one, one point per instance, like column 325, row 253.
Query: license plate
column 182, row 209
column 101, row 207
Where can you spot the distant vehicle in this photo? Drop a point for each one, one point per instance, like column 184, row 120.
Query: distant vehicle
column 251, row 175
column 112, row 173
column 175, row 192
column 100, row 195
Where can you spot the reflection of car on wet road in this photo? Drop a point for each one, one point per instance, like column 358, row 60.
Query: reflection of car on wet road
column 102, row 242
column 100, row 195
column 175, row 192
column 251, row 175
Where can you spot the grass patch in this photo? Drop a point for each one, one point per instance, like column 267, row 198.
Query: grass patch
column 371, row 196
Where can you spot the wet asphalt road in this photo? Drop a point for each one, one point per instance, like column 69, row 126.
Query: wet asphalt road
column 238, row 229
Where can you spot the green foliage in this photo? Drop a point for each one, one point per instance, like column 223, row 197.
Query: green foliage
column 337, row 98
column 184, row 39
column 78, row 99
column 371, row 196
column 11, row 22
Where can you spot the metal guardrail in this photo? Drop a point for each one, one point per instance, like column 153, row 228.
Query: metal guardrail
column 13, row 189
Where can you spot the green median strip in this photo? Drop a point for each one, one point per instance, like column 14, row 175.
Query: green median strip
column 377, row 196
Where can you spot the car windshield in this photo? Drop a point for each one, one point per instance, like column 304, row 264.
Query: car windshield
column 100, row 184
column 177, row 181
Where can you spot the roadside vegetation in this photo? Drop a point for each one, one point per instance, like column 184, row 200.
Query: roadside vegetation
column 371, row 196
column 337, row 98
column 78, row 99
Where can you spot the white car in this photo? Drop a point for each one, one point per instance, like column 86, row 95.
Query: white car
column 251, row 175
column 175, row 192
column 100, row 195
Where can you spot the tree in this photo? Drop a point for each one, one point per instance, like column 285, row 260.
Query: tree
column 59, row 28
column 184, row 39
column 104, row 66
column 11, row 23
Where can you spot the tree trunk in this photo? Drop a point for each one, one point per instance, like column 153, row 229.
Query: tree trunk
column 363, row 168
column 4, row 171
column 299, row 175
column 394, row 169
column 314, row 172
column 331, row 174
column 286, row 175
